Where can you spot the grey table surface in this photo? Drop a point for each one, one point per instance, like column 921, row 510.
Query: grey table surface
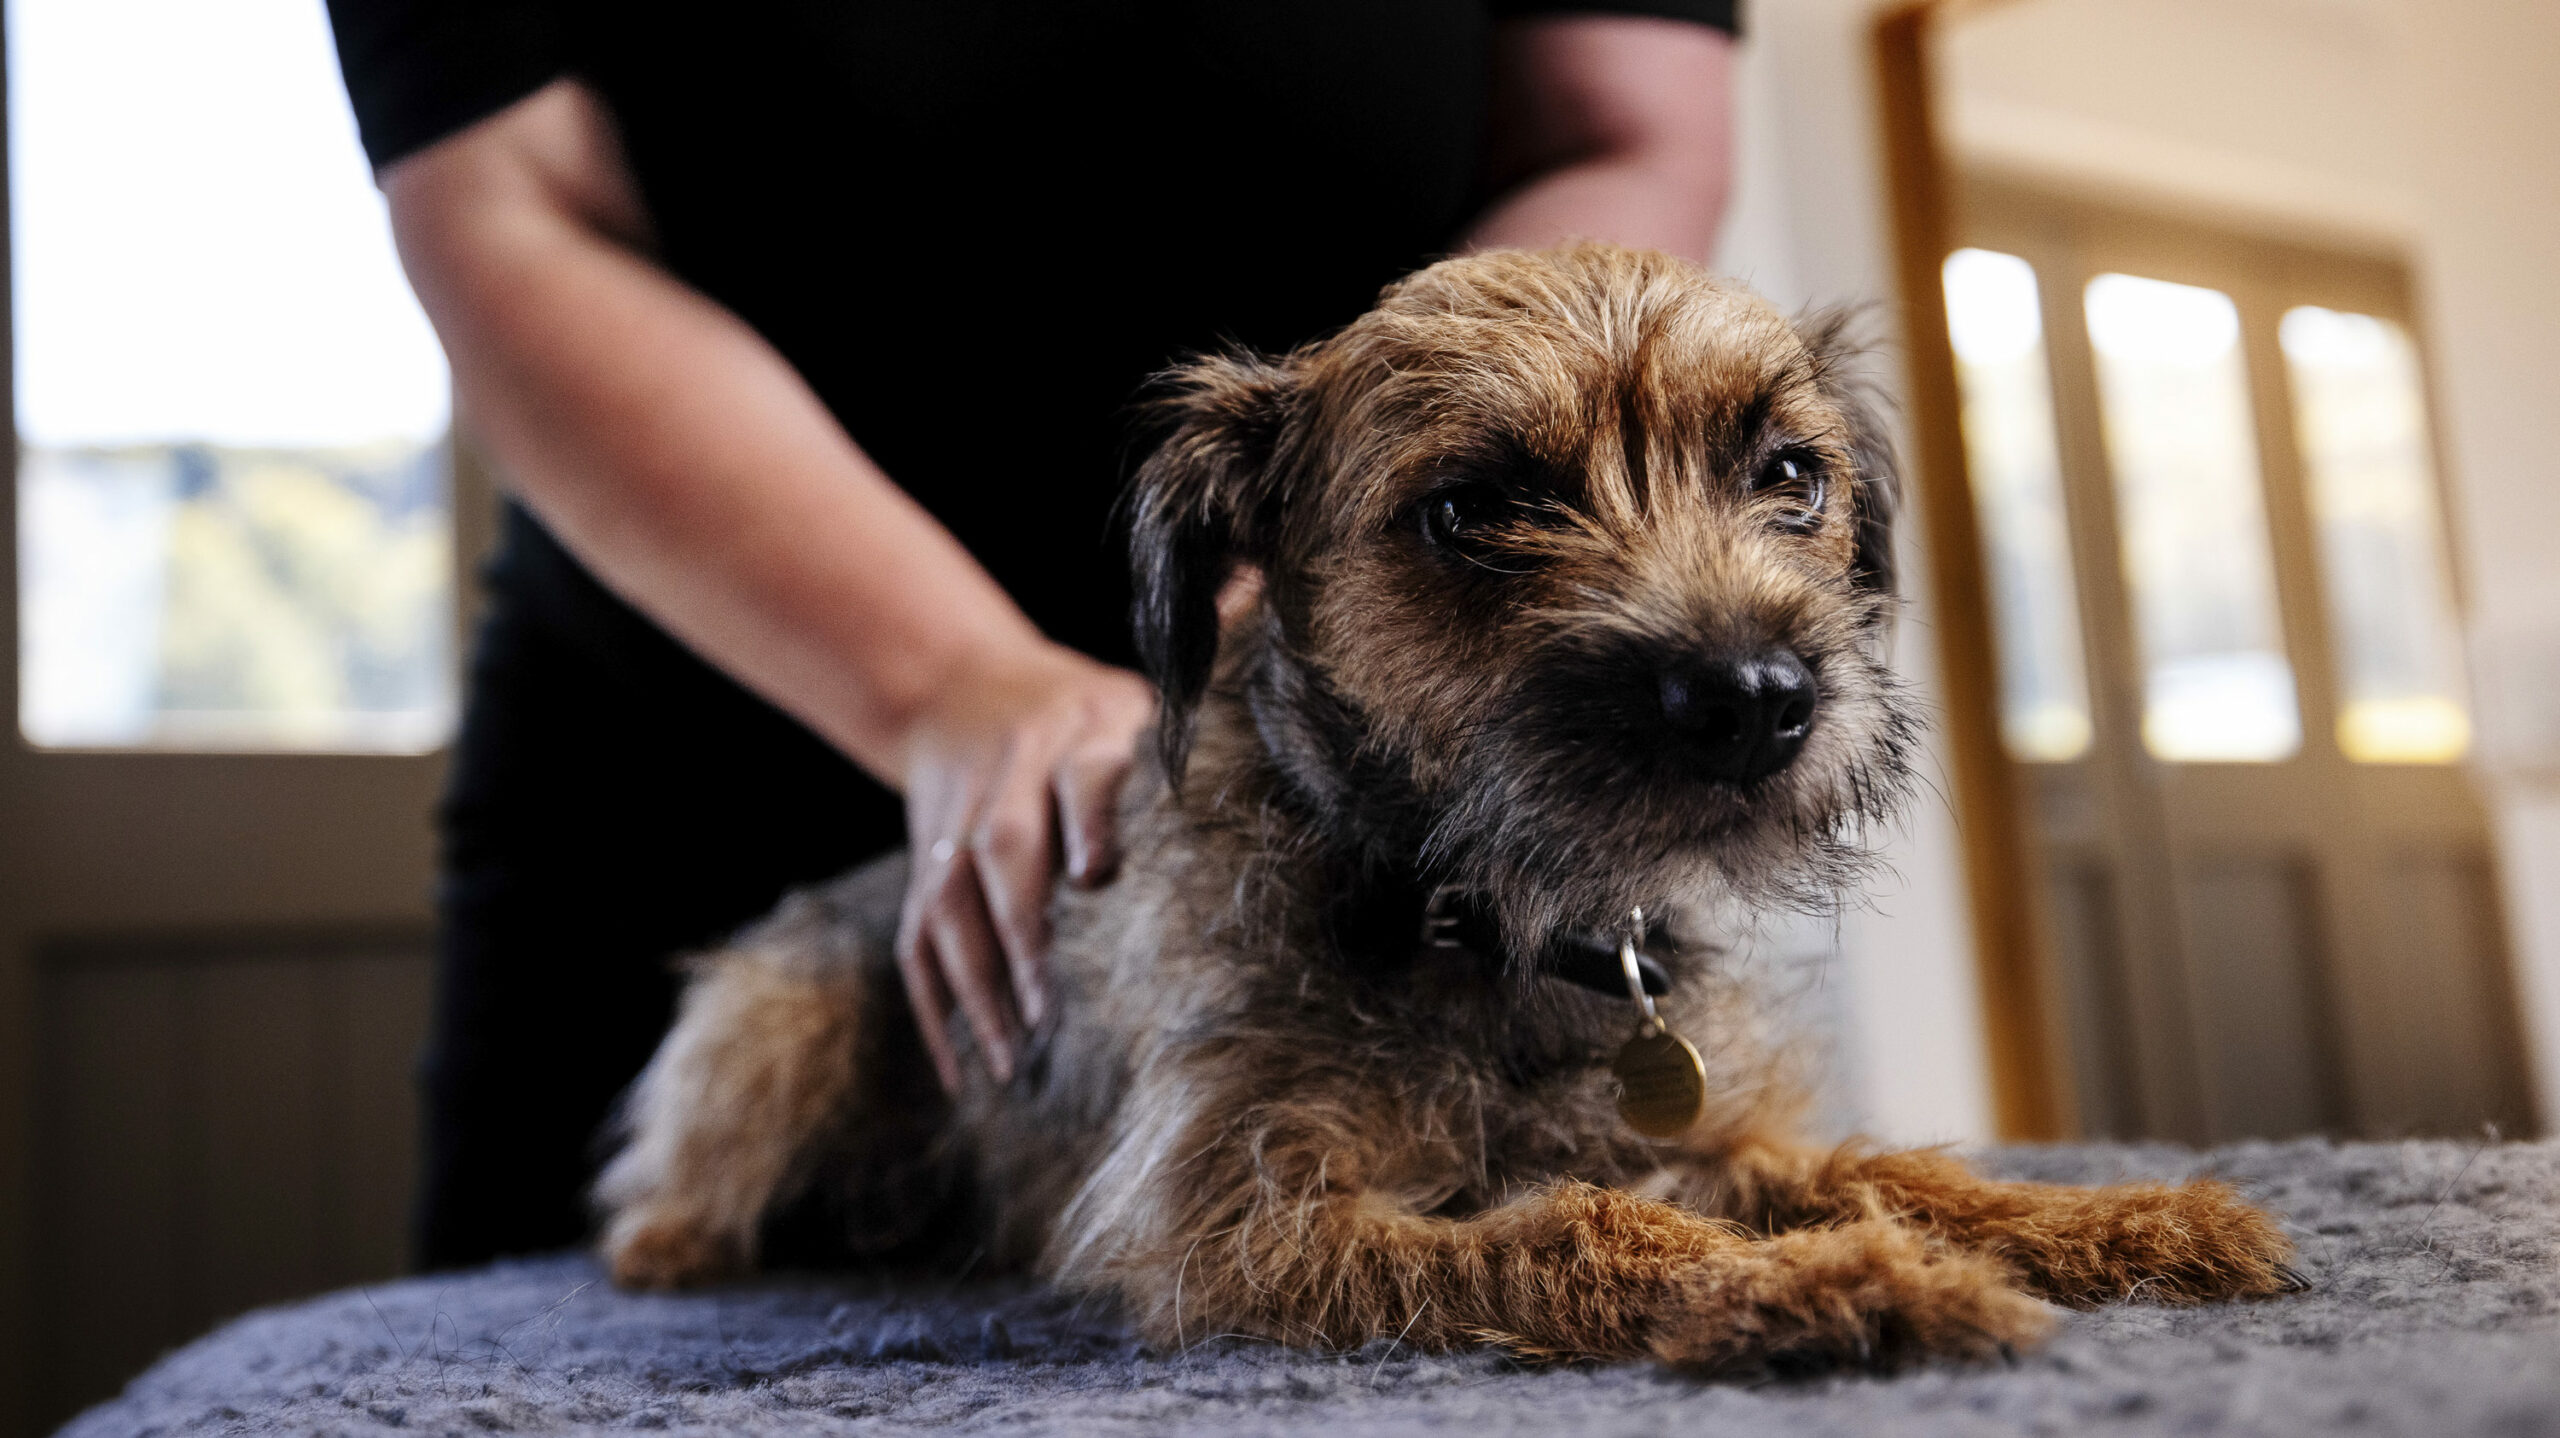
column 2436, row 1310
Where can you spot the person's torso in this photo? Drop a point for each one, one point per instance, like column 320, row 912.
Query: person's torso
column 977, row 227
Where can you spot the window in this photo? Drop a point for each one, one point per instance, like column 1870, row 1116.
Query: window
column 2360, row 419
column 2173, row 398
column 1998, row 328
column 233, row 522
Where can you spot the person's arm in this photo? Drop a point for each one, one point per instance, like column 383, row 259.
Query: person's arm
column 684, row 461
column 1610, row 127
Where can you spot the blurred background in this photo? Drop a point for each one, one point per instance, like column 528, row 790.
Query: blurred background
column 2231, row 332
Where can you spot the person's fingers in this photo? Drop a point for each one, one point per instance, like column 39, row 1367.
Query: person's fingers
column 1014, row 843
column 930, row 1002
column 990, row 821
column 1088, row 783
column 972, row 964
column 1088, row 779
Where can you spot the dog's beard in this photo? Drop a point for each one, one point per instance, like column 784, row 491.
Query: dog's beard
column 1567, row 815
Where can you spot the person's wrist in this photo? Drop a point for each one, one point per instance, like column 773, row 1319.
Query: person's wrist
column 970, row 695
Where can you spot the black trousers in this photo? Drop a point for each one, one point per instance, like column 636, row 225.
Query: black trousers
column 614, row 804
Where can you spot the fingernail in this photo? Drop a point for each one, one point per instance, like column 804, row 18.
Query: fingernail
column 1035, row 1000
column 1000, row 1061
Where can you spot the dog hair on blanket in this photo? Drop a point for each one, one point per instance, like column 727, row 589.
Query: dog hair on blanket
column 1566, row 574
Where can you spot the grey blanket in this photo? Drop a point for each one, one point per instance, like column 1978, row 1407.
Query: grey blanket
column 2436, row 1311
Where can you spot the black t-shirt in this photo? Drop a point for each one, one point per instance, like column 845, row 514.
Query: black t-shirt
column 975, row 227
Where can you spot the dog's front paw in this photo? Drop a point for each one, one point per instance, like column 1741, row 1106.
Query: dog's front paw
column 2195, row 1243
column 1872, row 1294
column 660, row 1250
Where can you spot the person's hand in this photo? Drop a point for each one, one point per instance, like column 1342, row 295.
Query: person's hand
column 1019, row 759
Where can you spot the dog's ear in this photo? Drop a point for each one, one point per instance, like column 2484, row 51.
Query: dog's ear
column 1202, row 503
column 1875, row 489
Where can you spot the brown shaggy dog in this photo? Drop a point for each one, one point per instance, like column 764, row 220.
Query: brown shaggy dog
column 1571, row 569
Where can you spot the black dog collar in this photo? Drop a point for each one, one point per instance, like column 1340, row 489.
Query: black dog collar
column 1455, row 920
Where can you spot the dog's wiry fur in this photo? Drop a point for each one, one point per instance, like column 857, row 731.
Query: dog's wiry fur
column 1255, row 1111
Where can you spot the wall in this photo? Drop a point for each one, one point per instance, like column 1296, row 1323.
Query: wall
column 2275, row 109
column 2484, row 117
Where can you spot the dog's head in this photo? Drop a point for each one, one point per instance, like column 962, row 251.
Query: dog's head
column 1572, row 566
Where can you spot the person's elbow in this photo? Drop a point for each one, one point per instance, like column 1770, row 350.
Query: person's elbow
column 543, row 174
column 1637, row 96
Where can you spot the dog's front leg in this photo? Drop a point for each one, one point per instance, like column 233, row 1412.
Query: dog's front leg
column 1279, row 1237
column 2185, row 1243
column 770, row 1065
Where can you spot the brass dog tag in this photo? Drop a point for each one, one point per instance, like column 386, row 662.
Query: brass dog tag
column 1662, row 1083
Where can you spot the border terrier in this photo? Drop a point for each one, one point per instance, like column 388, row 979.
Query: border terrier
column 1555, row 650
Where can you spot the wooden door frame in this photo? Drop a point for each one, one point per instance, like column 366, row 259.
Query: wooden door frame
column 2069, row 234
column 2026, row 1030
column 2023, row 1032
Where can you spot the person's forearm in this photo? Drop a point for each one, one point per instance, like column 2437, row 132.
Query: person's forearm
column 682, row 459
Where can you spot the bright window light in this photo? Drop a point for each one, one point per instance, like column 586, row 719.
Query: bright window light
column 1997, row 324
column 2174, row 400
column 233, row 523
column 2360, row 419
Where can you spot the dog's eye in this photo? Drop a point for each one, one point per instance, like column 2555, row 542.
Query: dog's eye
column 1485, row 521
column 1462, row 519
column 1447, row 519
column 1798, row 476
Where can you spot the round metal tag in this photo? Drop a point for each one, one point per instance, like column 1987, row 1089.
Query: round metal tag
column 1662, row 1084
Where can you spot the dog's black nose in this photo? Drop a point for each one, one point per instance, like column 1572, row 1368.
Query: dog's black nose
column 1744, row 718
